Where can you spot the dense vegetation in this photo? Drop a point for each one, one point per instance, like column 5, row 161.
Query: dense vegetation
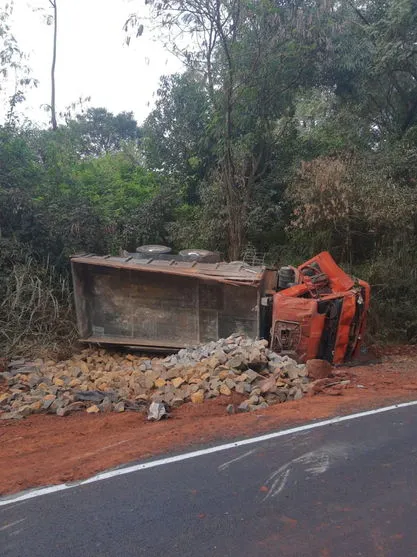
column 292, row 129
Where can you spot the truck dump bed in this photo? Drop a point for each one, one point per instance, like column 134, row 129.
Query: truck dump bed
column 166, row 304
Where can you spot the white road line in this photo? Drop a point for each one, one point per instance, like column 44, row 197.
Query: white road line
column 210, row 450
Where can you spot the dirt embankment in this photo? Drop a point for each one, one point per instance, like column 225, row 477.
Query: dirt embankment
column 46, row 449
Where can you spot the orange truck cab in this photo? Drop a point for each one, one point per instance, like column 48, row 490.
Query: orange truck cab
column 319, row 312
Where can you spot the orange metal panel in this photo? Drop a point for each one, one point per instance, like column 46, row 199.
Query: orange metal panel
column 343, row 330
column 297, row 326
column 339, row 280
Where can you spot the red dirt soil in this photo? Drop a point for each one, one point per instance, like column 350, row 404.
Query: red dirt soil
column 46, row 449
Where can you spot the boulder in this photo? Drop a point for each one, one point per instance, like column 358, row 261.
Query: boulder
column 197, row 397
column 157, row 411
column 225, row 390
column 177, row 382
column 318, row 369
column 268, row 385
column 291, row 371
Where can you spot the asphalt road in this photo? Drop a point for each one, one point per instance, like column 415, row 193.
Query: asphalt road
column 337, row 491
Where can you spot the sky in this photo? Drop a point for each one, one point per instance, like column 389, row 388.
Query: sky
column 92, row 59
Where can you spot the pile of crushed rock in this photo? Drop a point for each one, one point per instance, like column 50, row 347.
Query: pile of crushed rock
column 97, row 380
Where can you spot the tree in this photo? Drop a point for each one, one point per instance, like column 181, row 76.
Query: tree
column 371, row 63
column 53, row 4
column 177, row 136
column 97, row 131
column 13, row 66
column 251, row 58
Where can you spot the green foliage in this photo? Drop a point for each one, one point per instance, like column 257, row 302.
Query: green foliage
column 97, row 131
column 15, row 75
column 54, row 202
column 177, row 139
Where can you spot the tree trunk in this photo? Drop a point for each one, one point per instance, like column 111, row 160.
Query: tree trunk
column 236, row 234
column 236, row 210
column 53, row 103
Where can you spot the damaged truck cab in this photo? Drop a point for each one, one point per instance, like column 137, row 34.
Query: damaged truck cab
column 321, row 314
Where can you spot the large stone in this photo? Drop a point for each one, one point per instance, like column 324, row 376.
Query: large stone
column 48, row 401
column 158, row 368
column 302, row 371
column 197, row 397
column 225, row 390
column 268, row 385
column 168, row 397
column 298, row 394
column 319, row 369
column 4, row 397
column 178, row 381
column 156, row 411
column 152, row 374
column 106, row 405
column 33, row 380
column 119, row 407
column 221, row 356
column 243, row 388
column 192, row 389
column 230, row 383
column 212, row 362
column 251, row 375
column 212, row 393
column 36, row 406
column 237, row 362
column 89, row 396
column 173, row 372
column 291, row 371
column 282, row 395
column 15, row 415
column 177, row 402
column 223, row 374
column 229, row 347
column 276, row 367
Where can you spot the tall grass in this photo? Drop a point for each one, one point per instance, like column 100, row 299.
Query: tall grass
column 36, row 312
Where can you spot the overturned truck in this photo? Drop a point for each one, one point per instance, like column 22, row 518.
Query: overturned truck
column 313, row 311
